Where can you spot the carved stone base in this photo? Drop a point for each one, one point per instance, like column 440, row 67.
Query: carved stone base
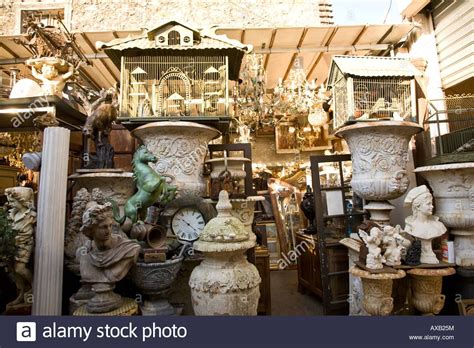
column 157, row 305
column 377, row 290
column 426, row 287
column 104, row 300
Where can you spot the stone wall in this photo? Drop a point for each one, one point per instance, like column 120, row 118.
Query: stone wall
column 98, row 15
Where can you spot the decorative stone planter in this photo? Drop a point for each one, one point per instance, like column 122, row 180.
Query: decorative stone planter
column 181, row 148
column 426, row 287
column 453, row 191
column 154, row 280
column 377, row 289
column 225, row 283
column 113, row 183
column 379, row 162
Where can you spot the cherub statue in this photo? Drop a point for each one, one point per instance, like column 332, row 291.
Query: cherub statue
column 394, row 245
column 374, row 259
column 108, row 260
column 52, row 72
column 422, row 224
column 22, row 217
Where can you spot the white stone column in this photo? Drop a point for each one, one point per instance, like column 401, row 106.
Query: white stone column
column 49, row 249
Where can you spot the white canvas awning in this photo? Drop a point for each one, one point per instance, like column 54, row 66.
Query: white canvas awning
column 280, row 46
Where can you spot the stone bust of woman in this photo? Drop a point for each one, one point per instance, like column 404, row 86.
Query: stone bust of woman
column 108, row 259
column 422, row 224
column 22, row 217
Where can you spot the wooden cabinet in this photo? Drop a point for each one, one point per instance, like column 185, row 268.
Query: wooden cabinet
column 309, row 269
column 262, row 262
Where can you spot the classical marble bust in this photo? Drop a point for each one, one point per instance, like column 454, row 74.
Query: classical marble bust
column 422, row 224
column 108, row 259
column 22, row 217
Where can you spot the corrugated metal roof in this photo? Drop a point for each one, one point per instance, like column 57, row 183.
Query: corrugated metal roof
column 369, row 66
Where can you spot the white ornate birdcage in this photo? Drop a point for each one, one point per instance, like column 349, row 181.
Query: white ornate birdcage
column 175, row 71
column 372, row 88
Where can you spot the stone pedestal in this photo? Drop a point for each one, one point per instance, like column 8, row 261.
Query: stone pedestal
column 453, row 191
column 128, row 308
column 426, row 287
column 49, row 249
column 377, row 290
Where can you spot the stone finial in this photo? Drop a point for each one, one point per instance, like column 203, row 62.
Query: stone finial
column 223, row 205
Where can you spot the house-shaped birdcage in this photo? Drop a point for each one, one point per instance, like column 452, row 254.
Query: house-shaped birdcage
column 370, row 88
column 174, row 71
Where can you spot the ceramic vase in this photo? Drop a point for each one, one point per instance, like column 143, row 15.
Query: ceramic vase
column 453, row 192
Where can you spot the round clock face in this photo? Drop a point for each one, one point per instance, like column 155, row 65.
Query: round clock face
column 187, row 224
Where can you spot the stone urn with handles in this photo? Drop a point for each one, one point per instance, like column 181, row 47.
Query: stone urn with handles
column 453, row 192
column 225, row 283
column 379, row 152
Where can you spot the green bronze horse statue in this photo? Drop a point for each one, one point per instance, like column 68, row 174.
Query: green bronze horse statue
column 152, row 189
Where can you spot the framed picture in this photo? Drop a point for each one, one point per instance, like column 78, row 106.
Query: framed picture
column 285, row 138
column 316, row 139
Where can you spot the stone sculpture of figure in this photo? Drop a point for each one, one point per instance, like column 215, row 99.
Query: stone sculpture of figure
column 423, row 224
column 52, row 72
column 394, row 245
column 22, row 217
column 108, row 259
column 374, row 259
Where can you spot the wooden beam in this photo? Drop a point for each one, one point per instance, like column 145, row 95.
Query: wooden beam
column 9, row 50
column 363, row 30
column 92, row 47
column 328, row 41
column 272, row 40
column 242, row 36
column 300, row 42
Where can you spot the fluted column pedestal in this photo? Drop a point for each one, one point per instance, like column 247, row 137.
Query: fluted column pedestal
column 49, row 249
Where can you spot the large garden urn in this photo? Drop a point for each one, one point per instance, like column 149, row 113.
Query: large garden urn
column 225, row 283
column 154, row 280
column 181, row 148
column 379, row 152
column 453, row 192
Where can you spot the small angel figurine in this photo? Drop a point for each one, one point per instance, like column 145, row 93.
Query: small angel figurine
column 423, row 224
column 374, row 259
column 394, row 245
column 22, row 217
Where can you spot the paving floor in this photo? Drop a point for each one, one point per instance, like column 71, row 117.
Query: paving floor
column 286, row 300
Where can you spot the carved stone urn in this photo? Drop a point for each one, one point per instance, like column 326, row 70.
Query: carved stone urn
column 426, row 287
column 453, row 192
column 377, row 289
column 154, row 281
column 225, row 283
column 181, row 148
column 379, row 162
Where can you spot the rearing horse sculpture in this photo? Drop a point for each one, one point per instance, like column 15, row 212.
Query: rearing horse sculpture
column 152, row 188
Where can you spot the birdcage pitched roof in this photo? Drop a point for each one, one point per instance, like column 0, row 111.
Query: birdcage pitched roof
column 372, row 67
column 208, row 43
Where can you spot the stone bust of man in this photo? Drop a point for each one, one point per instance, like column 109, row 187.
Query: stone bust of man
column 422, row 224
column 108, row 259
